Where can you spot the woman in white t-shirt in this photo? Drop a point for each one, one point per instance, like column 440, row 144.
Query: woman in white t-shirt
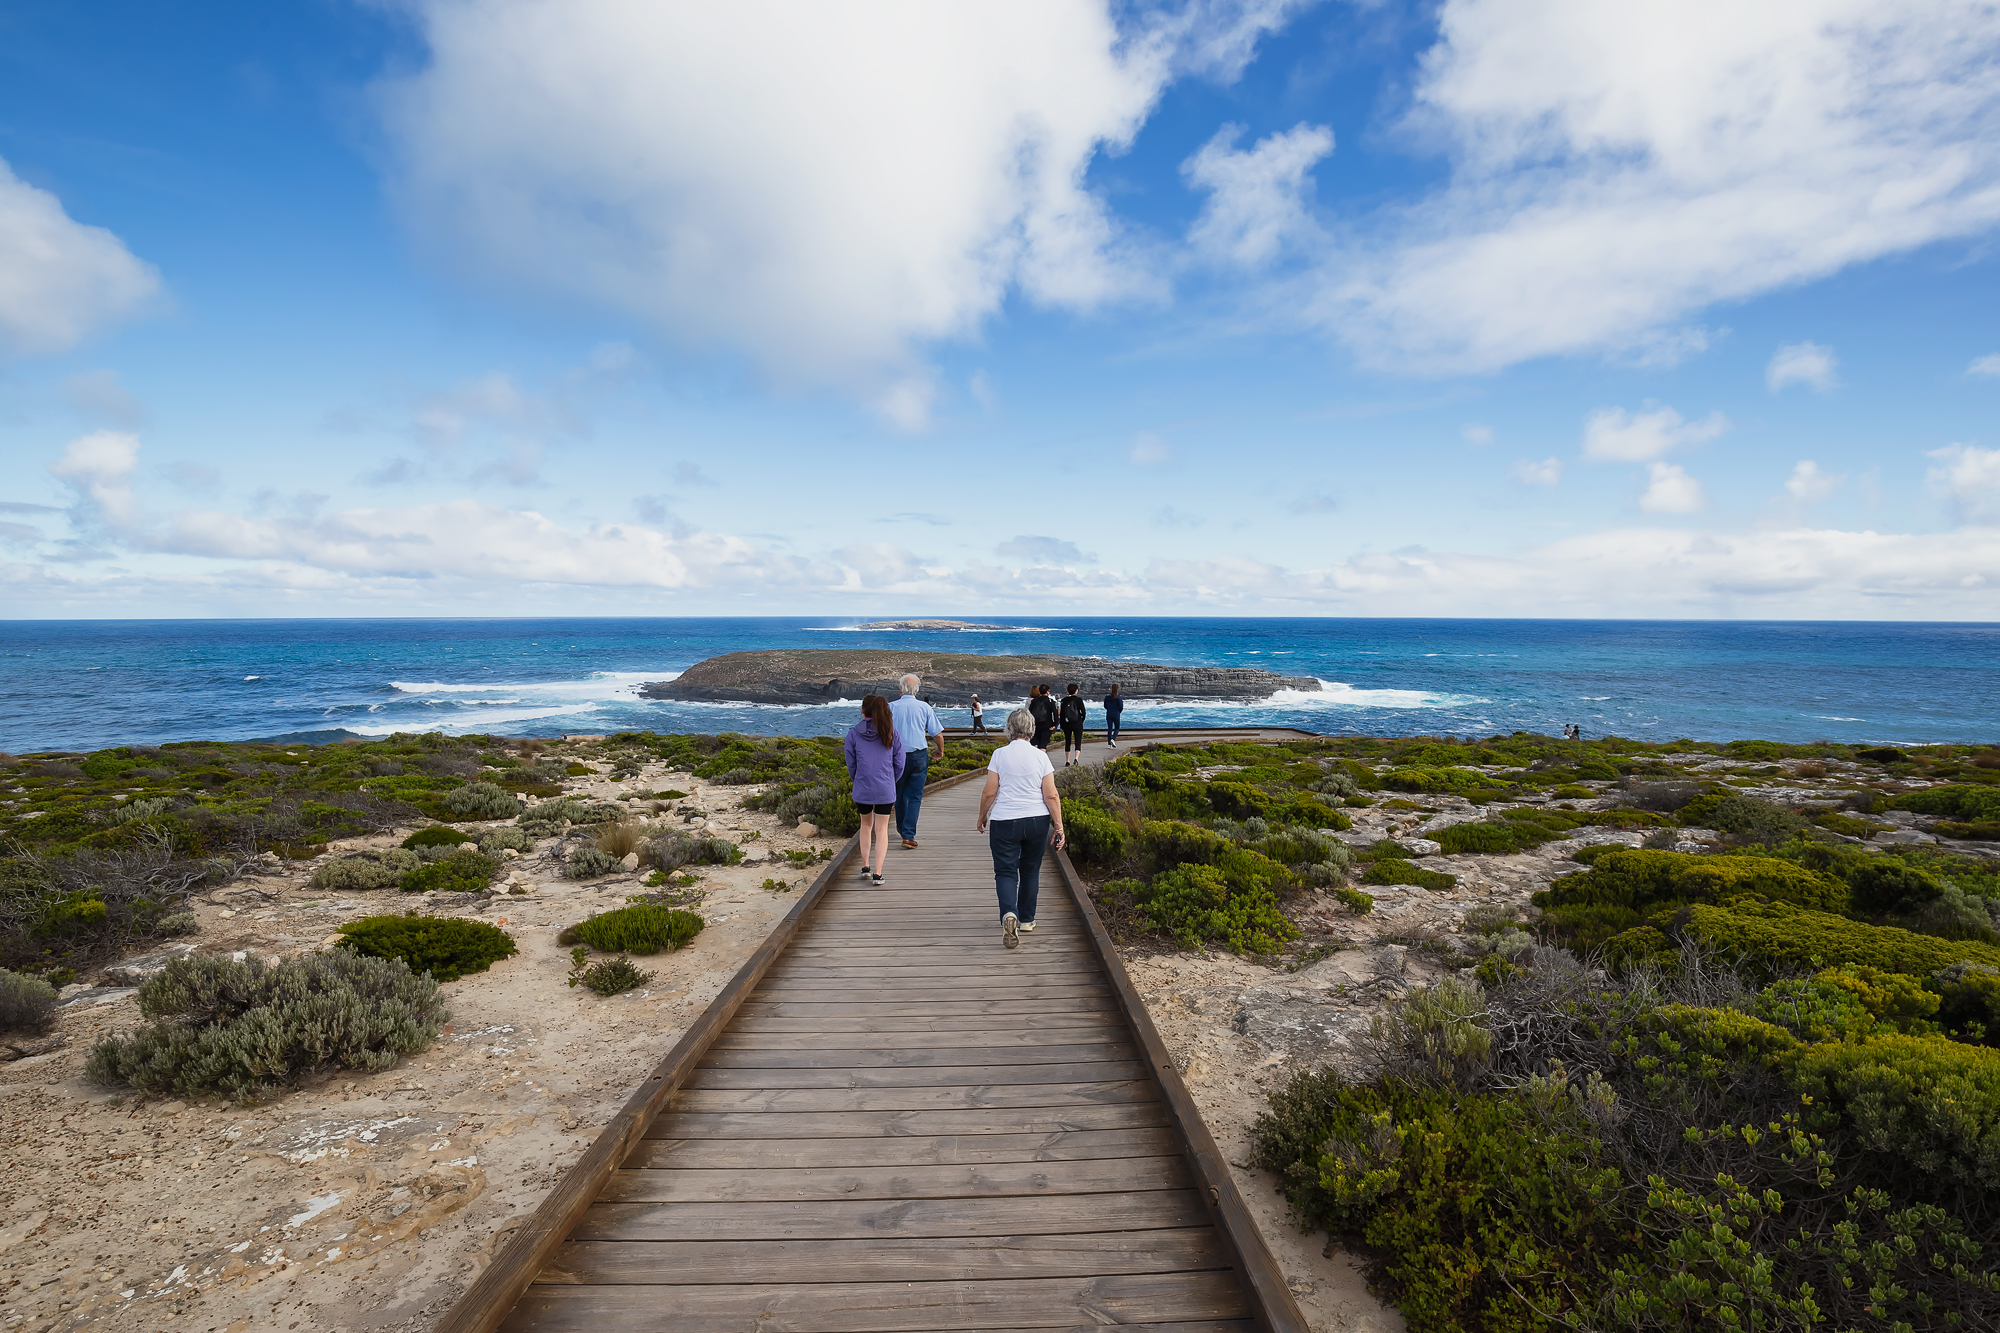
column 1021, row 805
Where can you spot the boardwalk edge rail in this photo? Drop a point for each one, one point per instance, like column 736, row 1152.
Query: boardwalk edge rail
column 500, row 1286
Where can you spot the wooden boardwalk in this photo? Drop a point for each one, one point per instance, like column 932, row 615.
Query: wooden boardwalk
column 900, row 1126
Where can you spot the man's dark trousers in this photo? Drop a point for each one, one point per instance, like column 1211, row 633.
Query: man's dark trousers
column 910, row 791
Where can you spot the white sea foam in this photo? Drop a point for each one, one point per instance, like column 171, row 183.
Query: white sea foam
column 253, row 678
column 1330, row 694
column 455, row 723
column 977, row 629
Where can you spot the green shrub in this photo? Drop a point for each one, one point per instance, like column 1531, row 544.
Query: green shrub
column 461, row 872
column 481, row 800
column 1624, row 886
column 588, row 863
column 1969, row 1001
column 575, row 769
column 219, row 1025
column 445, row 947
column 364, row 871
column 177, row 923
column 1484, row 1211
column 1394, row 870
column 1834, row 821
column 1986, row 830
column 639, row 928
column 437, row 835
column 1356, row 901
column 511, row 837
column 1434, row 779
column 1303, row 846
column 613, row 976
column 1964, row 802
column 1095, row 838
column 1569, row 791
column 1238, row 800
column 1751, row 818
column 673, row 850
column 1197, row 904
column 1932, row 1103
column 27, row 1004
column 1775, row 936
column 1164, row 844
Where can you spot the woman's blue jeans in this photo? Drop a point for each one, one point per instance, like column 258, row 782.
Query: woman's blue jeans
column 1017, row 846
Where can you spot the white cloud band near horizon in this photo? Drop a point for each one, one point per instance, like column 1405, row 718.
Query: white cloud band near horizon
column 477, row 552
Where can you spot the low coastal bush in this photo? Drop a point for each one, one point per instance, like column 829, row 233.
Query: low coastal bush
column 460, row 872
column 1624, row 887
column 1395, row 870
column 177, row 923
column 671, row 851
column 588, row 863
column 1963, row 802
column 365, row 871
column 1354, row 900
column 508, row 838
column 1771, row 936
column 239, row 1028
column 1204, row 904
column 1754, row 819
column 613, row 976
column 1435, row 779
column 639, row 928
column 437, row 835
column 481, row 800
column 1096, row 838
column 446, row 948
column 27, row 1004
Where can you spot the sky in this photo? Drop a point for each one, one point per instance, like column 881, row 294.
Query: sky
column 618, row 307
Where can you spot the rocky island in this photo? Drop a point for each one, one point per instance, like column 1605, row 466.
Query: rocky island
column 944, row 626
column 822, row 675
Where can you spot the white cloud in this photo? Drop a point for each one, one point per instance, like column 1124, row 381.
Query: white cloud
column 822, row 186
column 906, row 404
column 1614, row 168
column 1808, row 485
column 1967, row 478
column 98, row 467
column 59, row 279
column 1802, row 363
column 1613, row 435
column 1149, row 450
column 1257, row 200
column 1475, row 434
column 1548, row 472
column 1316, row 503
column 1987, row 367
column 1670, row 490
column 1041, row 551
column 98, row 394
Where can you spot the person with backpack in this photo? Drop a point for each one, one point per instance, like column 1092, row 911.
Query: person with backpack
column 1043, row 709
column 1072, row 714
column 1114, row 708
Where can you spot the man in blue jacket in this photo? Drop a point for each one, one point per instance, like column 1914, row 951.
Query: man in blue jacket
column 917, row 727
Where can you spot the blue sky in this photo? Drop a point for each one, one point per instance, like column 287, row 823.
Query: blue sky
column 1476, row 308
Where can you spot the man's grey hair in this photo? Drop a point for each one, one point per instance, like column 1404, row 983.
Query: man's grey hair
column 911, row 682
column 1020, row 724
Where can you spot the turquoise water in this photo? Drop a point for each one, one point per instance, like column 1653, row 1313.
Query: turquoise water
column 88, row 684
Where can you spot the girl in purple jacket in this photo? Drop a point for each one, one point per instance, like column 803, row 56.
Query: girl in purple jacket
column 875, row 761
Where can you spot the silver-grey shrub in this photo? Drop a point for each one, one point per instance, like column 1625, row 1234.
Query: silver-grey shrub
column 220, row 1026
column 510, row 837
column 27, row 1004
column 365, row 871
column 588, row 863
column 481, row 800
column 178, row 923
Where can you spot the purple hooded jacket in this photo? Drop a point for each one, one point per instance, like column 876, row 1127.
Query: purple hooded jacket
column 875, row 770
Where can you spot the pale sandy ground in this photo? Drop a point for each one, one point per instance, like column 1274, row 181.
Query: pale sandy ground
column 367, row 1203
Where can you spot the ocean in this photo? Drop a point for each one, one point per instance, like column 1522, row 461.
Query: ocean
column 90, row 684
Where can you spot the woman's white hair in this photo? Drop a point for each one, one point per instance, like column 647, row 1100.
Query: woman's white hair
column 1020, row 724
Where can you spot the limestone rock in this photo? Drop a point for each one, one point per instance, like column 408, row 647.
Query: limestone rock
column 1419, row 846
column 629, row 862
column 808, row 830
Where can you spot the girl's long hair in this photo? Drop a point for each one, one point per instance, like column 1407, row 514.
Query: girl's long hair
column 876, row 709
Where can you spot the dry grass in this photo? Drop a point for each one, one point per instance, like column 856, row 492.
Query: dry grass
column 624, row 837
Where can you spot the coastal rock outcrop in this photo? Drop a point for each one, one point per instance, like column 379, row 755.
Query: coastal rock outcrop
column 823, row 675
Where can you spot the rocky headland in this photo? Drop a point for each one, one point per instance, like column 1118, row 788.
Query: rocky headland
column 823, row 675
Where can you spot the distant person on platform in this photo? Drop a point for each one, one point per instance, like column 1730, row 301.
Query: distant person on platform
column 1043, row 710
column 875, row 762
column 978, row 716
column 1072, row 713
column 918, row 728
column 1018, row 812
column 1114, row 708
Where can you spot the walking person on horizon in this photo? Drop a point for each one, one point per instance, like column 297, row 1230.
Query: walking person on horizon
column 978, row 717
column 875, row 762
column 918, row 725
column 1114, row 708
column 1022, row 806
column 1072, row 713
column 1043, row 710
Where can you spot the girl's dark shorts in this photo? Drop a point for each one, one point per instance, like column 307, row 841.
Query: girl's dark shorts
column 888, row 809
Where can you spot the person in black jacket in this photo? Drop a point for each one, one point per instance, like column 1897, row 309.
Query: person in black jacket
column 1114, row 708
column 1044, row 710
column 1072, row 714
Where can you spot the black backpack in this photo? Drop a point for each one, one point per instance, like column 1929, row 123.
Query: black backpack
column 1072, row 710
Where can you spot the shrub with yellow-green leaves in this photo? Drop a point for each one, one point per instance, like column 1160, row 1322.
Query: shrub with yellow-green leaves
column 1623, row 888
